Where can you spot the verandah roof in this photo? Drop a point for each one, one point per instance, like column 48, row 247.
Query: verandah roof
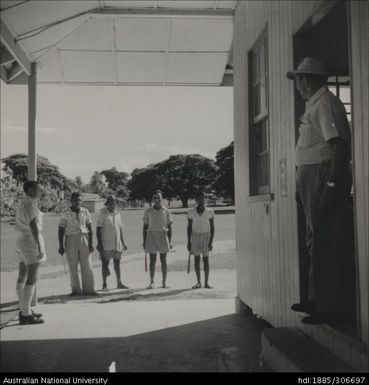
column 117, row 42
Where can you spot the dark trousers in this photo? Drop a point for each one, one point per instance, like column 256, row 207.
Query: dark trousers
column 329, row 240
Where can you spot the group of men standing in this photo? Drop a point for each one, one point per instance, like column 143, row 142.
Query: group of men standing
column 75, row 236
column 323, row 156
column 76, row 241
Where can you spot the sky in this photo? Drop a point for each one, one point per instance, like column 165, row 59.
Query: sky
column 83, row 129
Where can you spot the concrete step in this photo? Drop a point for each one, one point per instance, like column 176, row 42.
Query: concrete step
column 348, row 349
column 287, row 349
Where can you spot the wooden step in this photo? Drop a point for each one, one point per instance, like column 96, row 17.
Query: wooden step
column 287, row 349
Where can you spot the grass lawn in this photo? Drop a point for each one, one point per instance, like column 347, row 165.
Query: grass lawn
column 132, row 220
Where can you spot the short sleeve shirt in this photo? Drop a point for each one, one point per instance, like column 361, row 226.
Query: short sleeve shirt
column 26, row 212
column 325, row 118
column 74, row 224
column 157, row 220
column 111, row 224
column 201, row 222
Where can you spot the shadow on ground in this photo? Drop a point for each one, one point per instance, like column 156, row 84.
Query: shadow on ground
column 216, row 211
column 115, row 296
column 9, row 311
column 191, row 347
column 145, row 296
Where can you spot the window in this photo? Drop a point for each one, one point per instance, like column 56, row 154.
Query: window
column 259, row 122
column 340, row 86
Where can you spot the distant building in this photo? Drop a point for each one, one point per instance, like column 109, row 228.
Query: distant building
column 92, row 202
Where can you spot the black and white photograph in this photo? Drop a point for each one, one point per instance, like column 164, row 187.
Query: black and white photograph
column 184, row 189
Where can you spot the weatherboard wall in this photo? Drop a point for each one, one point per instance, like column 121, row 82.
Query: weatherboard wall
column 359, row 11
column 266, row 226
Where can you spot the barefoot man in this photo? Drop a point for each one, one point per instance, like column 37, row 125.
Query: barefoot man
column 200, row 234
column 157, row 235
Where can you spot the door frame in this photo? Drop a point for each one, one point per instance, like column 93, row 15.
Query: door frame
column 300, row 50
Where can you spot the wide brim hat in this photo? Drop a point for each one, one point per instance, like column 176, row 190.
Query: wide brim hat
column 308, row 65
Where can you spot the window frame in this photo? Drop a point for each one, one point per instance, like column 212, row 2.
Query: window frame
column 261, row 118
column 335, row 85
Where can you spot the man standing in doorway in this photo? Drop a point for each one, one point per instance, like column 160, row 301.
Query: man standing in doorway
column 323, row 154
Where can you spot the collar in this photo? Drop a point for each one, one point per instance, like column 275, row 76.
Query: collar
column 71, row 211
column 109, row 212
column 316, row 96
column 161, row 208
column 198, row 211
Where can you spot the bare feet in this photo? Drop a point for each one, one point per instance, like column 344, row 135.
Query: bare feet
column 151, row 286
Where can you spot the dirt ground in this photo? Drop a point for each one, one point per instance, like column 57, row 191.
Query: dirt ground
column 179, row 329
column 53, row 285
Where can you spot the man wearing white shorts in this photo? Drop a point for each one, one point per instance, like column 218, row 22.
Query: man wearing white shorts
column 157, row 235
column 200, row 235
column 30, row 251
column 110, row 241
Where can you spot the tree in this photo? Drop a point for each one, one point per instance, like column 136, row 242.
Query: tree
column 17, row 165
column 11, row 193
column 224, row 184
column 185, row 175
column 47, row 173
column 79, row 182
column 143, row 182
column 54, row 184
column 117, row 182
column 115, row 178
column 179, row 176
column 98, row 184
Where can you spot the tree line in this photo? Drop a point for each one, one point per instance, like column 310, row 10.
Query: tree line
column 178, row 177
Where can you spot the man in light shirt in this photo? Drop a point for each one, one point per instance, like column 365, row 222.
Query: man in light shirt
column 30, row 251
column 75, row 239
column 157, row 235
column 323, row 154
column 110, row 240
column 200, row 234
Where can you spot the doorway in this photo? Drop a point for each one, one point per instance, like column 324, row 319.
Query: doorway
column 325, row 36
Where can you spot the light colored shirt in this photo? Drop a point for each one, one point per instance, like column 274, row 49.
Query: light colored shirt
column 111, row 224
column 157, row 220
column 325, row 118
column 26, row 211
column 200, row 222
column 74, row 224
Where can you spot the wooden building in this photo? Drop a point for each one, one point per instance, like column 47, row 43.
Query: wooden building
column 270, row 38
column 92, row 202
